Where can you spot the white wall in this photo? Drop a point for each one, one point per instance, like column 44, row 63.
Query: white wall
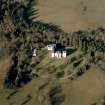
column 51, row 47
column 64, row 54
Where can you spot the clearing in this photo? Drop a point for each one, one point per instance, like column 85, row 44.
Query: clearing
column 73, row 15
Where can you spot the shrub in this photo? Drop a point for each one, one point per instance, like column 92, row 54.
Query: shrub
column 80, row 72
column 75, row 64
column 60, row 74
column 51, row 69
column 73, row 59
column 56, row 96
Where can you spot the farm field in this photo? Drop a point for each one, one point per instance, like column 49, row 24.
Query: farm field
column 73, row 15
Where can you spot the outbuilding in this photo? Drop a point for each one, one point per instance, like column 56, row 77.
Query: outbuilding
column 51, row 47
column 34, row 52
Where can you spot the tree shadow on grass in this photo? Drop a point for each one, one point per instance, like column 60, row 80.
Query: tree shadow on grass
column 56, row 96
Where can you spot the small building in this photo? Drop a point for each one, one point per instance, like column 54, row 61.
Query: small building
column 34, row 52
column 57, row 50
column 59, row 54
column 51, row 47
column 52, row 54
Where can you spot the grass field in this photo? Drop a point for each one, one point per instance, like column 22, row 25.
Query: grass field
column 73, row 15
column 84, row 90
